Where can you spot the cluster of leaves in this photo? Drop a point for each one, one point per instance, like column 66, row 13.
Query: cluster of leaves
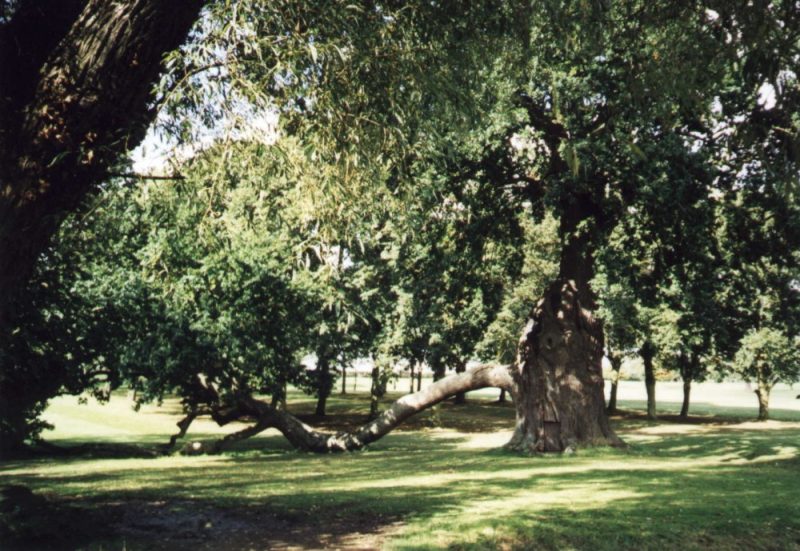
column 389, row 212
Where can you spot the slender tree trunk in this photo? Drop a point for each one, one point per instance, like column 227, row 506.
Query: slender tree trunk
column 687, row 390
column 419, row 378
column 411, row 366
column 648, row 353
column 344, row 379
column 76, row 81
column 616, row 367
column 502, row 398
column 763, row 392
column 461, row 397
column 376, row 392
column 324, row 384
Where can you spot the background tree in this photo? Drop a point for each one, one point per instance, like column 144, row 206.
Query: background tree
column 501, row 338
column 622, row 324
column 767, row 356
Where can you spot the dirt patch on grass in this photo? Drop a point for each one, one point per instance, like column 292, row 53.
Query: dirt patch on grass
column 186, row 525
column 54, row 523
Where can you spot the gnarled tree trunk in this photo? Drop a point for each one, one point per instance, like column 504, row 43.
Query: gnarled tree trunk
column 559, row 379
column 76, row 78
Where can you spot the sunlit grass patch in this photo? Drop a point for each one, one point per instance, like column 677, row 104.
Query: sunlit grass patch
column 717, row 484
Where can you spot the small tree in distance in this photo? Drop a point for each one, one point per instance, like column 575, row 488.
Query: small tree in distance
column 766, row 357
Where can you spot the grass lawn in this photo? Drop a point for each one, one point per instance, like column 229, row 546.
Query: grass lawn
column 719, row 481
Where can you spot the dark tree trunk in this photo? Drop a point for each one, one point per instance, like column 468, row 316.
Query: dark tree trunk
column 279, row 398
column 76, row 82
column 461, row 397
column 690, row 368
column 344, row 379
column 411, row 367
column 559, row 377
column 438, row 371
column 687, row 390
column 616, row 366
column 502, row 398
column 376, row 392
column 324, row 383
column 763, row 392
column 648, row 353
column 419, row 378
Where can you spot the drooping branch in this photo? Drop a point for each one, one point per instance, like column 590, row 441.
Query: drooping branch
column 305, row 437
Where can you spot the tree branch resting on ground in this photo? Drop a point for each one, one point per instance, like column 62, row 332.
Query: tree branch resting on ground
column 306, row 438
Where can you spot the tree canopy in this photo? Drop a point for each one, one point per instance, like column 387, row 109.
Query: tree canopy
column 440, row 177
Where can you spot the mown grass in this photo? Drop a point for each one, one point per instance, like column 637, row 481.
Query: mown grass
column 717, row 482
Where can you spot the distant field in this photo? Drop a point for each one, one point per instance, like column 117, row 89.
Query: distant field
column 719, row 481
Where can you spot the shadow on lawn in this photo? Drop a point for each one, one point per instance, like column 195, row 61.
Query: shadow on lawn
column 721, row 487
column 708, row 411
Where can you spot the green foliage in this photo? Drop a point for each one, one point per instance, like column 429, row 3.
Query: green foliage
column 540, row 249
column 768, row 356
column 390, row 211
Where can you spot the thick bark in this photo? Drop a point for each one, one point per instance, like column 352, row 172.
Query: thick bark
column 648, row 353
column 763, row 392
column 75, row 92
column 687, row 390
column 616, row 366
column 304, row 437
column 559, row 379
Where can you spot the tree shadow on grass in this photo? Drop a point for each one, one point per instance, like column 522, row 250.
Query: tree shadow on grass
column 721, row 488
column 706, row 412
column 489, row 503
